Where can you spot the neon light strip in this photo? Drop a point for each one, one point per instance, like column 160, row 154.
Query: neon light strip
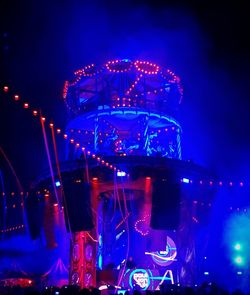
column 131, row 111
column 161, row 257
column 165, row 274
column 160, row 278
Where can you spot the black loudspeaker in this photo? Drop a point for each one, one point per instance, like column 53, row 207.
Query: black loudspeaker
column 166, row 196
column 77, row 207
column 34, row 206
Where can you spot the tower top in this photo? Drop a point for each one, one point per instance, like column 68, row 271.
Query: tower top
column 125, row 107
column 123, row 83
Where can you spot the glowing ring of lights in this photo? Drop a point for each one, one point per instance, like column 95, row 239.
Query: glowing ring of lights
column 121, row 113
column 140, row 270
column 146, row 67
column 128, row 66
column 87, row 71
column 138, row 227
column 170, row 76
column 119, row 66
column 164, row 259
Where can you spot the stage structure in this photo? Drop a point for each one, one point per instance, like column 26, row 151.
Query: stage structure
column 120, row 109
column 122, row 184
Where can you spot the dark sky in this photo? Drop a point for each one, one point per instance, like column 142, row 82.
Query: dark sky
column 204, row 42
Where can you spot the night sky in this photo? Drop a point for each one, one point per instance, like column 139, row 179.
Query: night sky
column 204, row 42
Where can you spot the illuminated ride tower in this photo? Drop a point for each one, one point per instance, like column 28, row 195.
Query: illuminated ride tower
column 125, row 108
column 123, row 135
column 133, row 219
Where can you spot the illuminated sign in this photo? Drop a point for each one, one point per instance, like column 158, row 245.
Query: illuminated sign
column 140, row 277
column 167, row 256
column 146, row 279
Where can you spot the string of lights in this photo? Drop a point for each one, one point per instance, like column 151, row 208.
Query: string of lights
column 77, row 145
column 118, row 66
column 101, row 161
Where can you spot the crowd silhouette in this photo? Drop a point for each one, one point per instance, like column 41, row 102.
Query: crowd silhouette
column 204, row 289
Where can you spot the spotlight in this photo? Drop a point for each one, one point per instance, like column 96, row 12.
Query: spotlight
column 121, row 173
column 57, row 183
column 237, row 246
column 5, row 88
column 239, row 260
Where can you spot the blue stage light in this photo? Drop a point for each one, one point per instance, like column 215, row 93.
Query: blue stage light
column 121, row 173
column 57, row 183
column 237, row 246
column 100, row 261
column 239, row 260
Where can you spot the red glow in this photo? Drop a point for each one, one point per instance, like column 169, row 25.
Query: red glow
column 35, row 113
column 5, row 88
column 26, row 105
column 51, row 125
column 16, row 97
column 94, row 178
column 43, row 119
column 58, row 131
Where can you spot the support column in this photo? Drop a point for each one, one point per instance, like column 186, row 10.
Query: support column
column 96, row 134
column 178, row 141
column 146, row 139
